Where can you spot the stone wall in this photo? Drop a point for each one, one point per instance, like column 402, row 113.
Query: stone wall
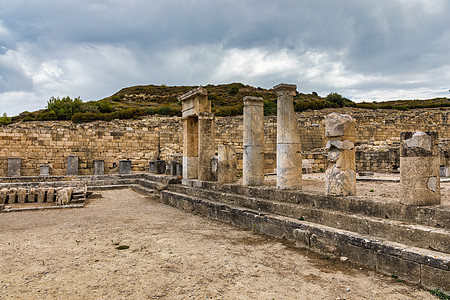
column 143, row 140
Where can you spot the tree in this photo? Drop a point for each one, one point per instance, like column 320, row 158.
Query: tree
column 335, row 98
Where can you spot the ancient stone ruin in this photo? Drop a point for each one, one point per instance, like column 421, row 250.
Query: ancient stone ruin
column 222, row 168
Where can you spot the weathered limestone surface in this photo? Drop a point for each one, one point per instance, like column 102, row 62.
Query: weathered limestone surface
column 206, row 145
column 419, row 168
column 12, row 196
column 40, row 195
column 3, row 195
column 21, row 195
column 99, row 167
column 50, row 195
column 44, row 170
column 227, row 164
column 198, row 134
column 125, row 166
column 289, row 159
column 14, row 164
column 31, row 195
column 253, row 141
column 340, row 177
column 72, row 165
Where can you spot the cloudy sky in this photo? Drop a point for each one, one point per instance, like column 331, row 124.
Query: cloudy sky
column 365, row 50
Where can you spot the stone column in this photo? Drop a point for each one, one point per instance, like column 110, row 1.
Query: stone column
column 50, row 194
column 190, row 147
column 340, row 177
column 21, row 195
column 31, row 195
column 14, row 166
column 419, row 168
column 227, row 164
column 3, row 195
column 44, row 170
column 125, row 166
column 99, row 167
column 40, row 195
column 72, row 165
column 253, row 143
column 289, row 156
column 206, row 144
column 12, row 195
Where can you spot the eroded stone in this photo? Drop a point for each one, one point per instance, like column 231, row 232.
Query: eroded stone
column 336, row 124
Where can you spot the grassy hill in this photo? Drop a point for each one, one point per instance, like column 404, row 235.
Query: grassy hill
column 226, row 99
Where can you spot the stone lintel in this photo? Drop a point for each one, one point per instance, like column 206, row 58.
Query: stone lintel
column 200, row 91
column 253, row 101
column 283, row 88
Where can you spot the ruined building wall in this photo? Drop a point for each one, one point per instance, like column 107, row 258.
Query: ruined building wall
column 141, row 140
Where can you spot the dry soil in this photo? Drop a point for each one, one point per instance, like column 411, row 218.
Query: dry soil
column 171, row 254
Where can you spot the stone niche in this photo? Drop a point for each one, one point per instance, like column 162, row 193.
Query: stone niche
column 198, row 135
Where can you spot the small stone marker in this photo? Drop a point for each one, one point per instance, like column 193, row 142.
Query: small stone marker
column 419, row 168
column 21, row 195
column 44, row 170
column 160, row 166
column 40, row 195
column 50, row 195
column 72, row 165
column 12, row 196
column 125, row 166
column 99, row 167
column 3, row 195
column 340, row 177
column 14, row 166
column 31, row 195
column 227, row 164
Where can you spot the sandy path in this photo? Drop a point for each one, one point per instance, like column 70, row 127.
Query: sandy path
column 71, row 254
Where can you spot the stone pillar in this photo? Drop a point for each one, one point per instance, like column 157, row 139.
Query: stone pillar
column 99, row 167
column 289, row 157
column 72, row 165
column 173, row 168
column 50, row 195
column 14, row 166
column 340, row 177
column 3, row 195
column 419, row 168
column 206, row 144
column 190, row 147
column 21, row 195
column 214, row 168
column 12, row 195
column 125, row 166
column 44, row 170
column 31, row 195
column 40, row 193
column 227, row 164
column 253, row 143
column 160, row 166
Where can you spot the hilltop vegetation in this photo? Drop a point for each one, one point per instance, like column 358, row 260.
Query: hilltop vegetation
column 226, row 99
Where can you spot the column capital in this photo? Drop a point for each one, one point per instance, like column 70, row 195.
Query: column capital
column 284, row 88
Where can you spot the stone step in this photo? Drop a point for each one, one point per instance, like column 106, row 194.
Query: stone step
column 409, row 234
column 433, row 216
column 428, row 268
column 143, row 190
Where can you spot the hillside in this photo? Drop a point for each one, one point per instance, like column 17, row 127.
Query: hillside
column 226, row 99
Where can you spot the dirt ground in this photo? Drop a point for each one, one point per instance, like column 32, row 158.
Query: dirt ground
column 72, row 254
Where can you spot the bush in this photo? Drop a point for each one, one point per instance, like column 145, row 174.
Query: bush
column 227, row 111
column 84, row 117
column 270, row 108
column 5, row 120
column 335, row 98
column 104, row 106
column 64, row 108
column 46, row 115
column 233, row 90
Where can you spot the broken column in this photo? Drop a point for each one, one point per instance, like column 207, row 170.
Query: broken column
column 419, row 168
column 198, row 134
column 227, row 164
column 99, row 167
column 21, row 195
column 72, row 165
column 289, row 157
column 50, row 195
column 340, row 177
column 31, row 195
column 3, row 195
column 12, row 195
column 253, row 143
column 125, row 166
column 14, row 166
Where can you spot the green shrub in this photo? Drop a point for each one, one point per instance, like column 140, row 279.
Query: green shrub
column 227, row 111
column 28, row 118
column 233, row 90
column 335, row 98
column 5, row 120
column 46, row 115
column 64, row 108
column 84, row 117
column 270, row 108
column 104, row 106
